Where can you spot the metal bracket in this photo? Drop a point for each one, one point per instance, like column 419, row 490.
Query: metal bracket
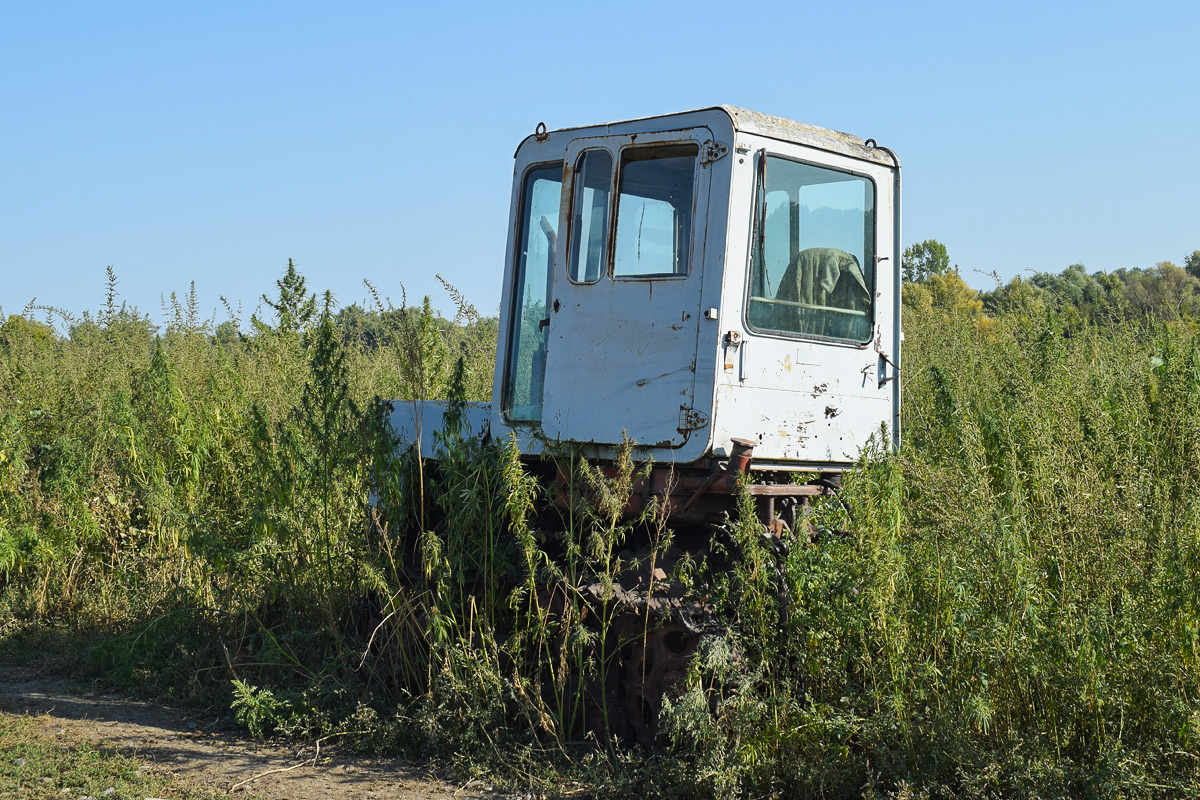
column 883, row 377
column 712, row 151
column 690, row 419
column 731, row 342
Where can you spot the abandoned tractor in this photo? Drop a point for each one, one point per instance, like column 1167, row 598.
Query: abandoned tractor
column 721, row 287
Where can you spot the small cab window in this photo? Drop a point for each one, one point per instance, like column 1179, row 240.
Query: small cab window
column 655, row 199
column 813, row 256
column 589, row 229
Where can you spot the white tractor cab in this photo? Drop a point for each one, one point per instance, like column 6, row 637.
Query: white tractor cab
column 720, row 286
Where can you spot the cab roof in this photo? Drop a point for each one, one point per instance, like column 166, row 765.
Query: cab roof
column 757, row 123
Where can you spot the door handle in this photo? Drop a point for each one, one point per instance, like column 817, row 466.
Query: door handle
column 543, row 324
column 885, row 362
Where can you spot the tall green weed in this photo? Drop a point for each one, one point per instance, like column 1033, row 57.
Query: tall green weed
column 1014, row 614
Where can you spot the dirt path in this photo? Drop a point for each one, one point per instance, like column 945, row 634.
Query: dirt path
column 206, row 753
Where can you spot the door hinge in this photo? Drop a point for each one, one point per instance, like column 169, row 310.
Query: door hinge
column 690, row 419
column 712, row 151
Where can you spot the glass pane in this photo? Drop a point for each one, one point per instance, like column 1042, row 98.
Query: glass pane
column 778, row 241
column 654, row 211
column 813, row 261
column 589, row 231
column 525, row 369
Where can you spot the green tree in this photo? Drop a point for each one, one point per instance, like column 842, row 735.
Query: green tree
column 1192, row 264
column 925, row 259
column 227, row 334
column 1164, row 291
column 295, row 308
column 1017, row 297
column 947, row 293
column 21, row 327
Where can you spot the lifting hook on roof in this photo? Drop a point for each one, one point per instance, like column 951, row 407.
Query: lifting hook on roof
column 871, row 143
column 540, row 132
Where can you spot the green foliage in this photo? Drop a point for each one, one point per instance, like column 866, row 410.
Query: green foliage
column 1192, row 264
column 945, row 294
column 258, row 709
column 294, row 307
column 924, row 260
column 1014, row 614
column 1165, row 291
column 224, row 477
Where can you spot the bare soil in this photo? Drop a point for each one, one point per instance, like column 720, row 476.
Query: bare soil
column 207, row 753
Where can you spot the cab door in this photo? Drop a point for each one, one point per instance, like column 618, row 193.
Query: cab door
column 817, row 364
column 625, row 307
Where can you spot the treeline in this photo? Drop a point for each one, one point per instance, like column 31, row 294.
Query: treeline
column 1163, row 292
column 291, row 310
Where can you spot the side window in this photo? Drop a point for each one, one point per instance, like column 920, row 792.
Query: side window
column 655, row 198
column 812, row 261
column 589, row 228
column 525, row 367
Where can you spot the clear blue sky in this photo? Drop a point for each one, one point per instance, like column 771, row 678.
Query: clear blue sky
column 210, row 142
